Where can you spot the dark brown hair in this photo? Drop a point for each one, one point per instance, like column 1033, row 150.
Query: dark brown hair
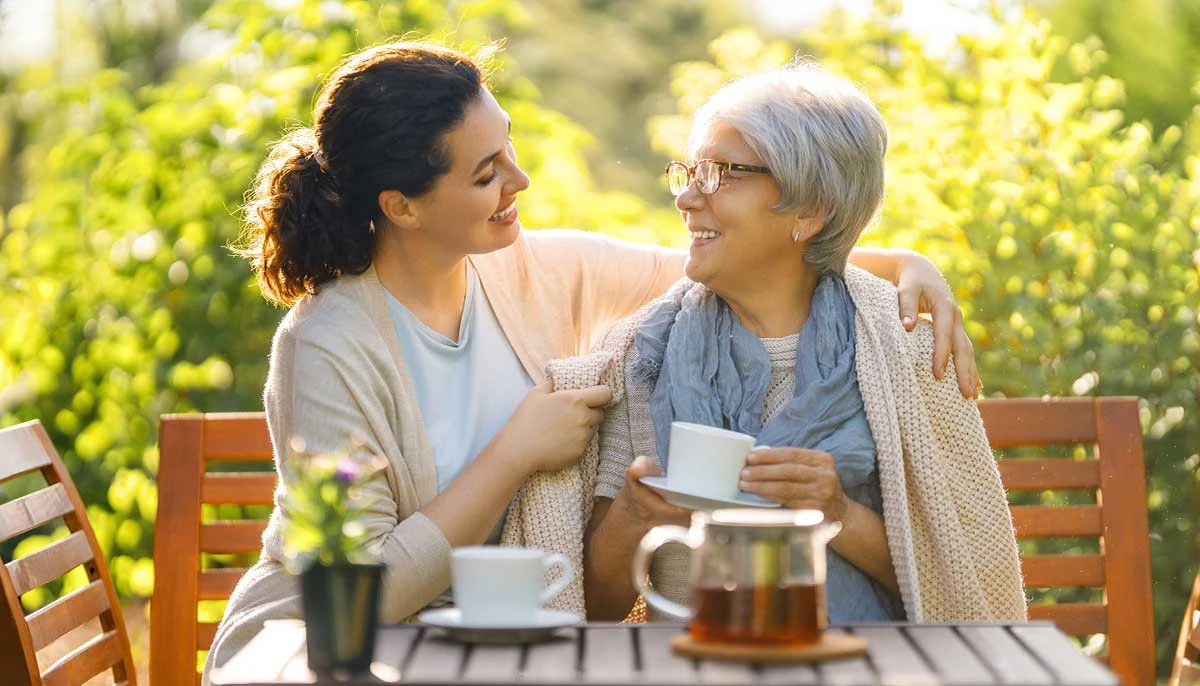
column 379, row 124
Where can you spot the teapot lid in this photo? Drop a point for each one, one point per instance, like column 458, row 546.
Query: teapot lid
column 761, row 518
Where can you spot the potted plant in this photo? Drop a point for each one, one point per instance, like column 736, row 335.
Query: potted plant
column 326, row 544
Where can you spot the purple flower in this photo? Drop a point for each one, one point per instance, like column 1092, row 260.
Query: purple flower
column 348, row 471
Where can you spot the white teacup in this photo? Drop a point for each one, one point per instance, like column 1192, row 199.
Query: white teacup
column 504, row 587
column 706, row 461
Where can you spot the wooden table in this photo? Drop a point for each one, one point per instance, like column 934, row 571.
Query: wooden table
column 899, row 655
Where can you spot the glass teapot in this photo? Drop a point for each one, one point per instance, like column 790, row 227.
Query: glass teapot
column 757, row 575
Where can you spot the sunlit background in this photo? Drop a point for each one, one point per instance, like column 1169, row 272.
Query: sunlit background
column 1046, row 155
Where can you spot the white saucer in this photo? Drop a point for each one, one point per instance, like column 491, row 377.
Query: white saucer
column 541, row 628
column 698, row 502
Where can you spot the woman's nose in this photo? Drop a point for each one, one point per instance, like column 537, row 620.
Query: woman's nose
column 689, row 199
column 518, row 182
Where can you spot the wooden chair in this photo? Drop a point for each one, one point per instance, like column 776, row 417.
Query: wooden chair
column 1115, row 474
column 26, row 448
column 192, row 447
column 1185, row 669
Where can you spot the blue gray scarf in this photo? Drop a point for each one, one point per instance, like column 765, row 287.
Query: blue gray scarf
column 708, row 368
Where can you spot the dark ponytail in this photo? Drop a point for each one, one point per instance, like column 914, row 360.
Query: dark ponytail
column 380, row 125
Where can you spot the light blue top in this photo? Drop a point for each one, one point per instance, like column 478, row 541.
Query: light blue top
column 466, row 389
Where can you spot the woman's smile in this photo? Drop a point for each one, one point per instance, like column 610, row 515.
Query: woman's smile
column 505, row 216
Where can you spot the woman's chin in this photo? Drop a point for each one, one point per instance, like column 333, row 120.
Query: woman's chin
column 698, row 271
column 499, row 236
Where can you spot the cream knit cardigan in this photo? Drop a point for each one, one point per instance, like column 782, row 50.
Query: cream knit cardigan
column 337, row 373
column 948, row 525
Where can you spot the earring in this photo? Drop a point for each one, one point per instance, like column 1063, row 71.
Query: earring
column 796, row 236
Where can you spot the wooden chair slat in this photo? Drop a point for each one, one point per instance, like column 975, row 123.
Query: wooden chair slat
column 1051, row 571
column 232, row 536
column 22, row 636
column 1034, row 421
column 49, row 563
column 51, row 622
column 236, row 436
column 1110, row 429
column 31, row 511
column 85, row 662
column 1049, row 474
column 1187, row 644
column 1076, row 619
column 1126, row 539
column 205, row 633
column 1042, row 521
column 187, row 444
column 20, row 452
column 218, row 584
column 239, row 488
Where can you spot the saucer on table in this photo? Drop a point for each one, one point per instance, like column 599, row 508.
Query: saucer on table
column 543, row 626
column 699, row 502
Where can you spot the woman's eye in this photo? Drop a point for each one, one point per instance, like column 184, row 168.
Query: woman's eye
column 487, row 179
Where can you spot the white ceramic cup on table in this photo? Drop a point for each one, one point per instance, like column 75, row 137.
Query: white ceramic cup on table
column 706, row 461
column 498, row 586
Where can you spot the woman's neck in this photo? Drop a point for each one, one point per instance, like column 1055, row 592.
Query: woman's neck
column 773, row 308
column 426, row 280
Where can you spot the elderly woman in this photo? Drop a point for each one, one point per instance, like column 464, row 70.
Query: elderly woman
column 772, row 334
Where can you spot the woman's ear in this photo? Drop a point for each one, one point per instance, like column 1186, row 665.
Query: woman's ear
column 805, row 227
column 399, row 210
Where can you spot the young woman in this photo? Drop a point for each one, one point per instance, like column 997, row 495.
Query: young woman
column 422, row 316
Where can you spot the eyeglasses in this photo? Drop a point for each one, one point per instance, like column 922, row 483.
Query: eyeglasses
column 707, row 173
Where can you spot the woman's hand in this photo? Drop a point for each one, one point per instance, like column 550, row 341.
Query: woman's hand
column 613, row 534
column 922, row 288
column 549, row 430
column 797, row 479
column 640, row 503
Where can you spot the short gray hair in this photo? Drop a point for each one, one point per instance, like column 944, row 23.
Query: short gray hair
column 824, row 142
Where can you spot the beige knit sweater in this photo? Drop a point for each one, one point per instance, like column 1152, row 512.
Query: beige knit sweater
column 948, row 525
column 337, row 373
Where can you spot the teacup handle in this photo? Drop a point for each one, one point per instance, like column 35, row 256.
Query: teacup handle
column 650, row 543
column 550, row 561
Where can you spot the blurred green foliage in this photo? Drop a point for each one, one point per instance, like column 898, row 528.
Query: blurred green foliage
column 1152, row 45
column 1071, row 233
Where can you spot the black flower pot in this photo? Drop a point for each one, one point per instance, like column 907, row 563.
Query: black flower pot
column 341, row 611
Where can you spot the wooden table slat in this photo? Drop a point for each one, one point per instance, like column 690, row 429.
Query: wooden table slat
column 893, row 655
column 789, row 674
column 393, row 644
column 854, row 671
column 434, row 658
column 950, row 656
column 555, row 661
column 489, row 664
column 1060, row 656
column 1005, row 655
column 608, row 655
column 660, row 664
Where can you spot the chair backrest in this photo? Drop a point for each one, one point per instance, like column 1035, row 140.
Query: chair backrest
column 1095, row 500
column 199, row 557
column 24, row 449
column 1185, row 669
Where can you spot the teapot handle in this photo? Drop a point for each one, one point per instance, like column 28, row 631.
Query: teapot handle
column 650, row 543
